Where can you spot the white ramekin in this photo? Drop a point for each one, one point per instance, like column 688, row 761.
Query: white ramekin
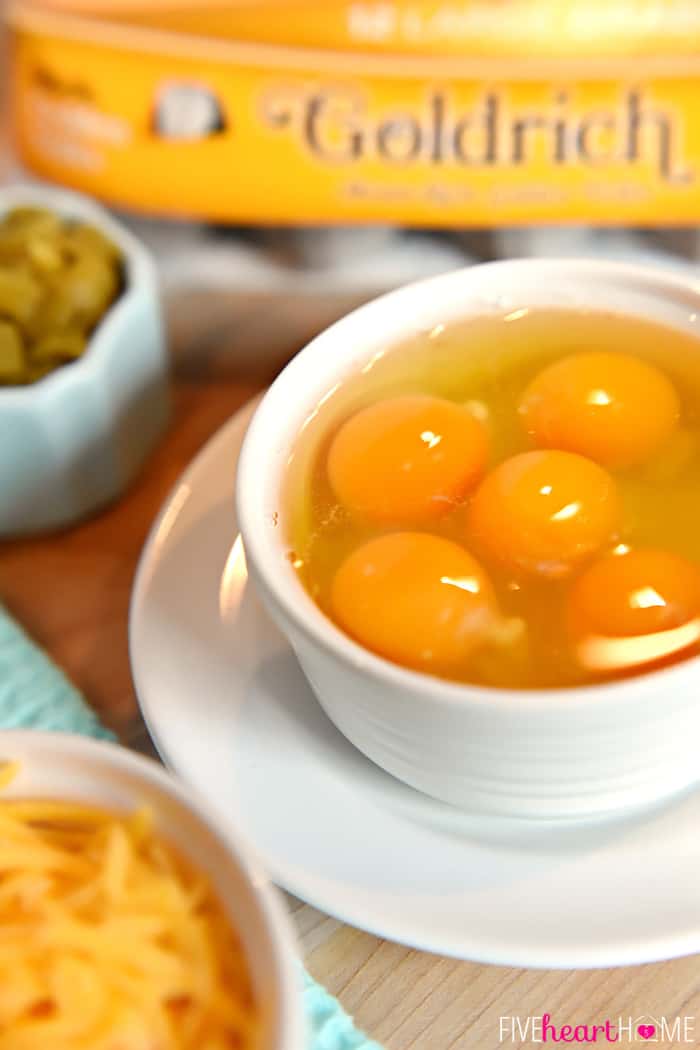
column 72, row 442
column 60, row 765
column 540, row 753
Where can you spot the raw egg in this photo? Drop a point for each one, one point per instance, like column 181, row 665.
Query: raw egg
column 420, row 600
column 634, row 608
column 614, row 408
column 407, row 459
column 544, row 512
column 597, row 459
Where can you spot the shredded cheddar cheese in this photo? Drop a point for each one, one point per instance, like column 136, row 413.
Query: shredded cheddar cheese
column 109, row 941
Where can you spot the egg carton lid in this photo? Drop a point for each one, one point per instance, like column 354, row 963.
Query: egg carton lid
column 542, row 29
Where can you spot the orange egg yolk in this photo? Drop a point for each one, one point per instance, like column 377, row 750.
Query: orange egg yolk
column 614, row 408
column 544, row 512
column 633, row 608
column 407, row 459
column 416, row 599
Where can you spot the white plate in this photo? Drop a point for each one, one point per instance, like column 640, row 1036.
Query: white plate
column 231, row 712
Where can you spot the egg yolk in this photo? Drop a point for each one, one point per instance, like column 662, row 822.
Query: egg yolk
column 544, row 512
column 614, row 408
column 416, row 599
column 638, row 592
column 407, row 459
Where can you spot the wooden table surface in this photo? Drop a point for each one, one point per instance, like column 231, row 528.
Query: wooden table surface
column 71, row 592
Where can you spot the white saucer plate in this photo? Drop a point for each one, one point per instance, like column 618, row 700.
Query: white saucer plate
column 232, row 714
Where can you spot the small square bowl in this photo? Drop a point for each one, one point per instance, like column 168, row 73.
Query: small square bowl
column 71, row 442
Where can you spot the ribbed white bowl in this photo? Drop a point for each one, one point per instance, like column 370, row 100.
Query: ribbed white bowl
column 554, row 753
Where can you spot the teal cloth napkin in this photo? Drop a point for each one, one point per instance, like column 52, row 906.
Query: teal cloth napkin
column 35, row 694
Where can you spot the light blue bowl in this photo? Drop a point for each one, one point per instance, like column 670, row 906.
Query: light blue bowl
column 71, row 442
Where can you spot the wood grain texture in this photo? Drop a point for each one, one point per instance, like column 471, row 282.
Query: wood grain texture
column 411, row 1000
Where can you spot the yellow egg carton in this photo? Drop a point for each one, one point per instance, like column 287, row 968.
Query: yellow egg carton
column 472, row 113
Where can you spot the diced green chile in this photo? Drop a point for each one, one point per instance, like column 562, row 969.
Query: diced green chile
column 58, row 278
